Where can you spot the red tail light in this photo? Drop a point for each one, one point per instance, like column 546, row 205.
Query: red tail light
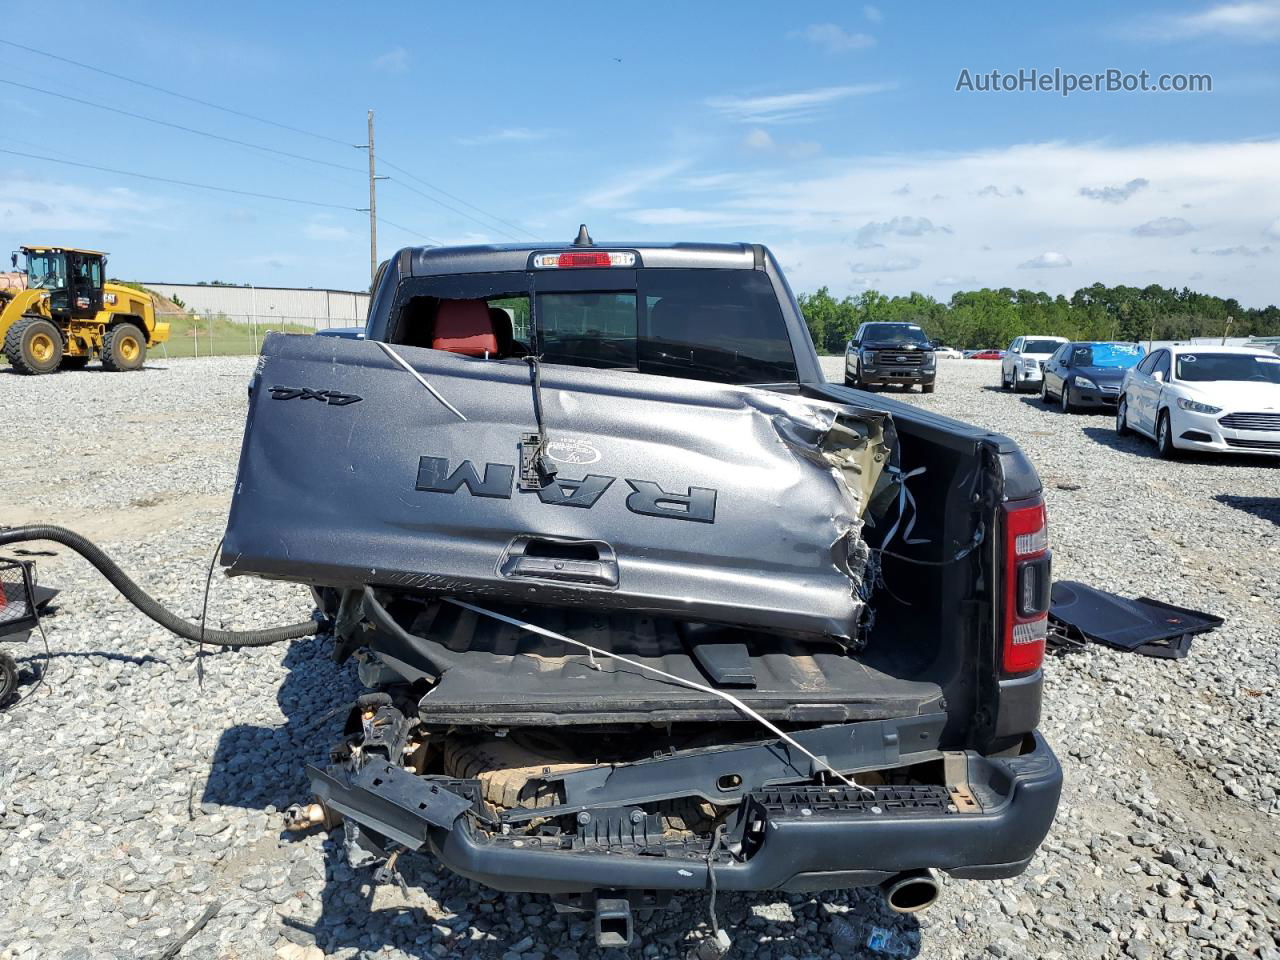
column 600, row 259
column 1026, row 586
column 585, row 258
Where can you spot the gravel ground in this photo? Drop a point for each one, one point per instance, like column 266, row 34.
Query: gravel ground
column 134, row 794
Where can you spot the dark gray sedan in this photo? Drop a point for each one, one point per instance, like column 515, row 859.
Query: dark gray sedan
column 1087, row 374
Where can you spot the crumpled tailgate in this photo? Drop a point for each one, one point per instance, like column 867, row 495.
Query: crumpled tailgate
column 680, row 498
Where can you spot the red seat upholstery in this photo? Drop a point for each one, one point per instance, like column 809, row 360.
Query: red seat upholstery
column 464, row 326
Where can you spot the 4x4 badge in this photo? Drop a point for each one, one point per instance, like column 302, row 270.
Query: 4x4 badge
column 331, row 397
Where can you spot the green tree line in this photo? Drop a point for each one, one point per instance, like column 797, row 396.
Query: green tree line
column 992, row 318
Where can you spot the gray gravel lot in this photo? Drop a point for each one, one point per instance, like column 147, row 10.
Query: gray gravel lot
column 133, row 794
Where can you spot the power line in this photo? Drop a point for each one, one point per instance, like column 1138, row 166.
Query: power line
column 273, row 123
column 232, row 190
column 411, row 176
column 181, row 183
column 174, row 93
column 179, row 126
column 441, row 203
column 412, row 233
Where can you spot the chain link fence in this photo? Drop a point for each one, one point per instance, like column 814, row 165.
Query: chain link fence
column 193, row 334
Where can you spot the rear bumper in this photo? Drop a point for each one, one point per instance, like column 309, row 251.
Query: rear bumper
column 802, row 838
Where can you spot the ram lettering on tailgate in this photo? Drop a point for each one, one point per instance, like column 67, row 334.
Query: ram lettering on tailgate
column 497, row 481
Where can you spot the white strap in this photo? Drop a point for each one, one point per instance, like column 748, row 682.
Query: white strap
column 404, row 363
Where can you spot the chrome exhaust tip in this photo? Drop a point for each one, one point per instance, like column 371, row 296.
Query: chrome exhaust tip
column 912, row 891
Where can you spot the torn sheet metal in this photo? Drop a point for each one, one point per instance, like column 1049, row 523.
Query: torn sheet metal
column 1144, row 626
column 385, row 798
column 680, row 498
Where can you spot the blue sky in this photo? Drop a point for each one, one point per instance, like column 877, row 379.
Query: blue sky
column 832, row 132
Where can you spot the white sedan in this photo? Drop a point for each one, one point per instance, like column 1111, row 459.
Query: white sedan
column 1219, row 399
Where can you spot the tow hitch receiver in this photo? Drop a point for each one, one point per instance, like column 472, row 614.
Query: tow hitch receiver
column 613, row 923
column 613, row 911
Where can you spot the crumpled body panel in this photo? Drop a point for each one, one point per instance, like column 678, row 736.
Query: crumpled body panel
column 674, row 497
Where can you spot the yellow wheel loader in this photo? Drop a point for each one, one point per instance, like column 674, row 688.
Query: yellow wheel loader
column 60, row 314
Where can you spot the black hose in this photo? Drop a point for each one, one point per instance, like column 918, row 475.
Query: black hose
column 144, row 602
column 437, row 656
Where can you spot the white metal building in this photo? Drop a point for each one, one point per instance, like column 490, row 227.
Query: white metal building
column 271, row 305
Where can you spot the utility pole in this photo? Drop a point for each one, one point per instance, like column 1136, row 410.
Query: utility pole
column 373, row 204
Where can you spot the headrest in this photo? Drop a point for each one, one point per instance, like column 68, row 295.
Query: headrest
column 501, row 321
column 464, row 326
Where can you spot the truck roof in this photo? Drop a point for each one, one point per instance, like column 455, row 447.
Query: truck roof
column 39, row 248
column 500, row 257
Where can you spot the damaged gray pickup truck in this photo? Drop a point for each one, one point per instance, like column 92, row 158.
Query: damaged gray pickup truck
column 644, row 604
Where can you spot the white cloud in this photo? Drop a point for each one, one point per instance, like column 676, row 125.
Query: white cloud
column 393, row 61
column 869, row 234
column 887, row 265
column 505, row 135
column 1239, row 250
column 618, row 190
column 760, row 140
column 809, row 215
column 1254, row 20
column 1273, row 231
column 789, row 107
column 29, row 205
column 835, row 39
column 1050, row 259
column 1115, row 194
column 323, row 229
column 676, row 216
column 872, row 13
column 1163, row 227
column 991, row 190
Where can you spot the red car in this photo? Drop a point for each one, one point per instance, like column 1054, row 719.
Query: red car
column 986, row 355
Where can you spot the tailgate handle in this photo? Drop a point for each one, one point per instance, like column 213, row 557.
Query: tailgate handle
column 587, row 562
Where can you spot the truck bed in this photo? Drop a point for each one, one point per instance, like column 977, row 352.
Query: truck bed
column 506, row 676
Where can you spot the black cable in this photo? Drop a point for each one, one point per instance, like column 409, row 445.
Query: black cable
column 174, row 93
column 145, row 602
column 181, row 183
column 41, row 680
column 546, row 472
column 439, row 657
column 178, row 126
column 204, row 611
